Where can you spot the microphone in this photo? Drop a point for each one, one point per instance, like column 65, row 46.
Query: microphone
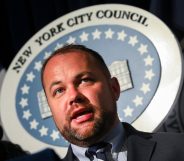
column 1, row 132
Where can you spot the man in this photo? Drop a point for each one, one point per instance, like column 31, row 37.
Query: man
column 82, row 97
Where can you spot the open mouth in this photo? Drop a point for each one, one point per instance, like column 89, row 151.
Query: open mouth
column 82, row 115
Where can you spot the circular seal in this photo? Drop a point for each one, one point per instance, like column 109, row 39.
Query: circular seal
column 139, row 50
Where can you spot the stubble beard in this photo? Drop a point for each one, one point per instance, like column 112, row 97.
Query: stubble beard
column 100, row 128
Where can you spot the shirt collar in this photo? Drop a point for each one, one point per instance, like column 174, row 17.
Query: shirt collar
column 115, row 137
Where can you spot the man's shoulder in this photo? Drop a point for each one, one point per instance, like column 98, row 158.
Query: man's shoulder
column 165, row 138
column 169, row 136
column 130, row 130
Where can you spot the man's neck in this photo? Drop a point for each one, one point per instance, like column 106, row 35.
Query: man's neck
column 115, row 136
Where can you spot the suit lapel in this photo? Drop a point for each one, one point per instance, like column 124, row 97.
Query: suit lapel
column 69, row 156
column 139, row 149
column 138, row 144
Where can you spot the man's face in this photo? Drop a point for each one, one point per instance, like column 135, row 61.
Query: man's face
column 81, row 97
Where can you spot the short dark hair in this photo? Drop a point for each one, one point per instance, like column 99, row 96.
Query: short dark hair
column 81, row 48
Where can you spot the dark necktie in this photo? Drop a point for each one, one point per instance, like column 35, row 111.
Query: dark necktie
column 101, row 150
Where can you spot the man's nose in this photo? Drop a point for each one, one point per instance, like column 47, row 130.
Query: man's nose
column 75, row 96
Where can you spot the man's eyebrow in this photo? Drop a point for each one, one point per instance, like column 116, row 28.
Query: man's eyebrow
column 54, row 83
column 84, row 73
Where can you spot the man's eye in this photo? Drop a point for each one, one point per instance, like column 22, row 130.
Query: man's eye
column 58, row 91
column 87, row 80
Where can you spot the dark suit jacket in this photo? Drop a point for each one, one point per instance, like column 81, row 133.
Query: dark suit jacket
column 141, row 146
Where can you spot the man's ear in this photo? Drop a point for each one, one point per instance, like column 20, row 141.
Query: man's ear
column 115, row 87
